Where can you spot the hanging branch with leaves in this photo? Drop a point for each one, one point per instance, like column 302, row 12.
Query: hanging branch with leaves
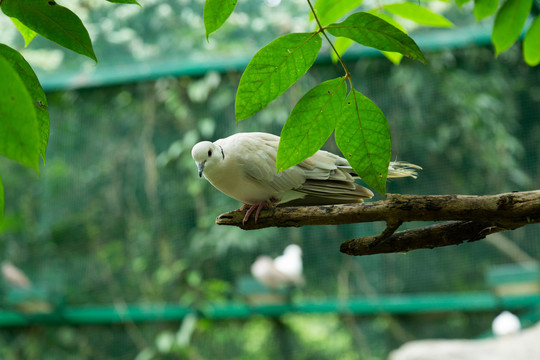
column 361, row 129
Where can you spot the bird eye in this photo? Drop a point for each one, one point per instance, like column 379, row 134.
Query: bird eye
column 209, row 153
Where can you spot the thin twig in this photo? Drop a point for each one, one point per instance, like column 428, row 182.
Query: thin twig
column 321, row 30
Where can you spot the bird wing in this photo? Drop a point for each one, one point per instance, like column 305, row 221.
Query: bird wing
column 256, row 155
column 320, row 179
column 329, row 181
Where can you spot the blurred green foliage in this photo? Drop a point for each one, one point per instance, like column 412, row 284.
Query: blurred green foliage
column 124, row 33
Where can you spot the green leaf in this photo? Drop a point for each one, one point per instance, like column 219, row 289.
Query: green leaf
column 363, row 136
column 31, row 82
column 27, row 34
column 485, row 8
column 19, row 139
column 509, row 23
column 52, row 21
column 394, row 57
column 460, row 3
column 2, row 199
column 370, row 30
column 273, row 69
column 418, row 14
column 124, row 2
column 531, row 44
column 215, row 13
column 311, row 123
column 378, row 13
column 341, row 45
column 329, row 11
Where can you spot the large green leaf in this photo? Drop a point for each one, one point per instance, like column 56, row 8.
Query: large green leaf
column 370, row 30
column 394, row 57
column 273, row 69
column 27, row 34
column 19, row 138
column 215, row 13
column 485, row 8
column 418, row 14
column 531, row 44
column 311, row 123
column 31, row 82
column 460, row 3
column 52, row 21
column 509, row 23
column 329, row 11
column 363, row 136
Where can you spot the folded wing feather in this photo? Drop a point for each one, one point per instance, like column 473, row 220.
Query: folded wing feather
column 321, row 179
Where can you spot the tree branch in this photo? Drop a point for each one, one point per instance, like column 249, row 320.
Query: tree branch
column 429, row 237
column 474, row 217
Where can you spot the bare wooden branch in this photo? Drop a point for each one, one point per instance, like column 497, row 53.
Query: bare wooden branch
column 511, row 206
column 429, row 237
column 472, row 218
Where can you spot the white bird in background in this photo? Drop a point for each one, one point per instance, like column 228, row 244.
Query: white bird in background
column 264, row 270
column 290, row 263
column 285, row 270
column 243, row 166
column 505, row 323
column 14, row 276
column 21, row 294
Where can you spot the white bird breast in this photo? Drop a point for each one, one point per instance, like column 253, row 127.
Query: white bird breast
column 228, row 177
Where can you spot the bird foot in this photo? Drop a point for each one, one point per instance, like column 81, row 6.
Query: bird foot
column 257, row 208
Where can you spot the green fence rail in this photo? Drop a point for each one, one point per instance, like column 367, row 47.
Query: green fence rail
column 390, row 304
column 110, row 74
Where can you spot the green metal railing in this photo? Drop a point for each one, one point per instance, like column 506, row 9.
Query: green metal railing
column 104, row 75
column 391, row 304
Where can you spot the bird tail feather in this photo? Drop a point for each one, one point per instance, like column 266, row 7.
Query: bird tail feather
column 398, row 169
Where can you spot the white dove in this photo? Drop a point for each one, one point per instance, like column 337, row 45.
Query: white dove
column 243, row 166
column 281, row 271
column 14, row 276
column 505, row 323
column 264, row 270
column 290, row 264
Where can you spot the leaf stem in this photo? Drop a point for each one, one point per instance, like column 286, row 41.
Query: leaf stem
column 321, row 30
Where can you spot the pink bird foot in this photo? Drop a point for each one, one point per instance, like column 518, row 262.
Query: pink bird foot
column 258, row 207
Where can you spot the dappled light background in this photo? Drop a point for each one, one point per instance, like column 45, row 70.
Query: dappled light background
column 119, row 216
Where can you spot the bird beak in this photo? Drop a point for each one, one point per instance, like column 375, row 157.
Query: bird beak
column 200, row 166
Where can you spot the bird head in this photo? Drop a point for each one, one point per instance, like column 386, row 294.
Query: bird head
column 293, row 250
column 205, row 154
